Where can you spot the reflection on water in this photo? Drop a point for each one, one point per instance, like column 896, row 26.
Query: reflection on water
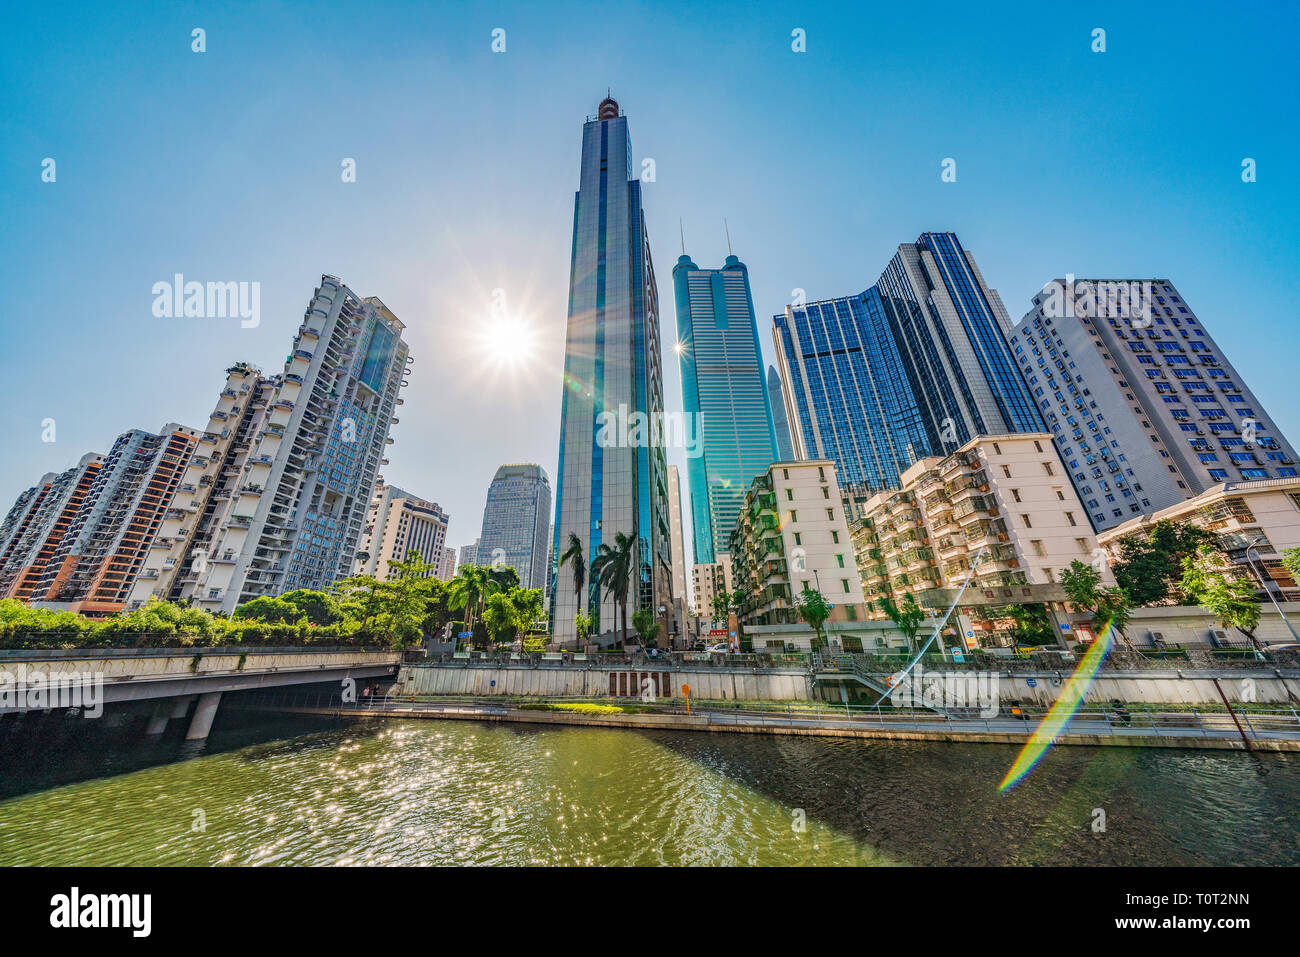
column 452, row 792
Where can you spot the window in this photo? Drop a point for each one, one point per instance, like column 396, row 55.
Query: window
column 835, row 537
column 830, row 514
column 1015, row 493
column 798, row 538
column 789, row 495
column 794, row 516
column 1006, row 471
column 785, row 473
column 840, row 559
column 997, row 450
column 1025, row 519
column 1038, row 547
column 1069, row 517
column 826, row 493
column 1047, row 467
column 845, row 582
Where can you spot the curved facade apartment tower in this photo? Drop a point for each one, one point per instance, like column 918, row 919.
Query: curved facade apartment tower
column 277, row 495
column 610, row 481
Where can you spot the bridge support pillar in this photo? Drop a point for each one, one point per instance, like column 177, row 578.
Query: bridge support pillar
column 204, row 712
column 158, row 720
column 182, row 705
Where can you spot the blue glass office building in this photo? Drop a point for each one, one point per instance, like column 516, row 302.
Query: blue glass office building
column 724, row 396
column 612, row 364
column 914, row 366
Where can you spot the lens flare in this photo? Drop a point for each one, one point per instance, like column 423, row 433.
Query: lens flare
column 1067, row 704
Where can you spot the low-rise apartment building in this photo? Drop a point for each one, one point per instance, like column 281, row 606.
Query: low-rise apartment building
column 792, row 534
column 1254, row 521
column 1000, row 511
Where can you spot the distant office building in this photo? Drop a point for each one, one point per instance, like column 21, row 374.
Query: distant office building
column 708, row 581
column 447, row 568
column 724, row 392
column 397, row 523
column 285, row 474
column 468, row 555
column 915, row 366
column 1144, row 407
column 681, row 596
column 675, row 531
column 780, row 424
column 515, row 521
column 612, row 370
column 77, row 540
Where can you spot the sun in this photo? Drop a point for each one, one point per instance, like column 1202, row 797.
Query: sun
column 507, row 342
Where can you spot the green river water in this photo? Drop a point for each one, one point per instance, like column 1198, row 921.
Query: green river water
column 280, row 790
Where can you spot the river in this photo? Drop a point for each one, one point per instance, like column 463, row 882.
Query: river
column 281, row 790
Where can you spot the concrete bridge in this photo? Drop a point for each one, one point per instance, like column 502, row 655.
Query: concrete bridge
column 182, row 682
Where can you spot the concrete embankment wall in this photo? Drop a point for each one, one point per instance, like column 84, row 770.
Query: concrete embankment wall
column 1262, row 688
column 730, row 684
column 713, row 683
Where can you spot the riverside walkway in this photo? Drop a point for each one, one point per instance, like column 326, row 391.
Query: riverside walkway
column 1266, row 730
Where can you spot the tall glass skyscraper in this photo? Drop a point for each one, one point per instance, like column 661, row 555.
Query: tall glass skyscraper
column 914, row 366
column 611, row 479
column 515, row 522
column 724, row 395
column 784, row 450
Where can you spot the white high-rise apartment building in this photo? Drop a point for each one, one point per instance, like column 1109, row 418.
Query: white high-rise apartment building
column 397, row 523
column 1144, row 407
column 290, row 462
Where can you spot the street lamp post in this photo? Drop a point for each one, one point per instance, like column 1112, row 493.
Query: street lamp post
column 1265, row 580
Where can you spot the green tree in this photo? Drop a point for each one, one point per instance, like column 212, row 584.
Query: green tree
column 468, row 590
column 1084, row 590
column 907, row 615
column 505, row 576
column 1149, row 570
column 646, row 623
column 612, row 567
column 582, row 622
column 318, row 607
column 1214, row 583
column 1032, row 624
column 573, row 555
column 1291, row 562
column 511, row 614
column 269, row 609
column 814, row 610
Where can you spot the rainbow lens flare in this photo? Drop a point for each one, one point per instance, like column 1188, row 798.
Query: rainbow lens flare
column 1058, row 718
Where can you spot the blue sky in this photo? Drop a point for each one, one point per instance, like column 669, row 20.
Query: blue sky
column 225, row 166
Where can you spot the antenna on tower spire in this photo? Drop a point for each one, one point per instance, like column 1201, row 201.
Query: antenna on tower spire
column 683, row 232
column 728, row 229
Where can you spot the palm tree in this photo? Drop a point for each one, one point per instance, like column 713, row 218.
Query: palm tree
column 574, row 555
column 467, row 590
column 612, row 567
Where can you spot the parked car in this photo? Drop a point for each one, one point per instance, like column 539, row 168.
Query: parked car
column 721, row 648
